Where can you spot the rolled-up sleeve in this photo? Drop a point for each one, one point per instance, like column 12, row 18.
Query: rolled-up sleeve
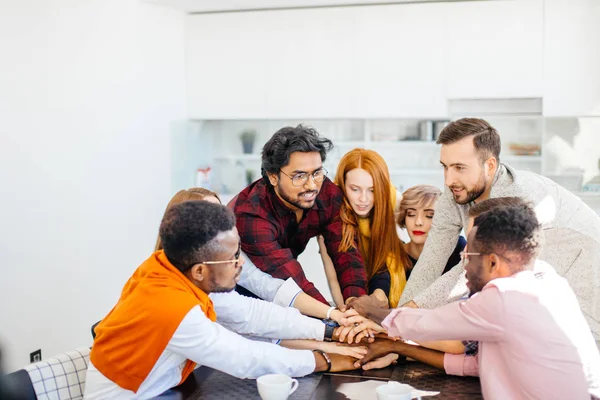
column 287, row 293
column 261, row 284
column 208, row 343
column 461, row 364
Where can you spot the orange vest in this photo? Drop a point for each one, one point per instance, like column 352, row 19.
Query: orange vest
column 132, row 337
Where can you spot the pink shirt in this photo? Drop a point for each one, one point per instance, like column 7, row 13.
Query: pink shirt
column 534, row 342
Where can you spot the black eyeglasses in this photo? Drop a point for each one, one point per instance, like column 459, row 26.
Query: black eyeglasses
column 301, row 178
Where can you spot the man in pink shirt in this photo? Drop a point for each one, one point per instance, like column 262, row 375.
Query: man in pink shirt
column 534, row 342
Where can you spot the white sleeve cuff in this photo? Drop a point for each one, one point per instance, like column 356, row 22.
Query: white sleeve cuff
column 286, row 294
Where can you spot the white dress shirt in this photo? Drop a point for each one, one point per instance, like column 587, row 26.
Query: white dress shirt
column 266, row 287
column 220, row 346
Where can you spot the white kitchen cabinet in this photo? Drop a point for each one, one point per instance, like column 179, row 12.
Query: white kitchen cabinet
column 272, row 64
column 493, row 49
column 310, row 64
column 572, row 58
column 400, row 71
column 225, row 73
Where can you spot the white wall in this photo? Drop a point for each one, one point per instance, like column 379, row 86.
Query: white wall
column 88, row 89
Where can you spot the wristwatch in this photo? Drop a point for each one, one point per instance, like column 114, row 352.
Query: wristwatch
column 330, row 325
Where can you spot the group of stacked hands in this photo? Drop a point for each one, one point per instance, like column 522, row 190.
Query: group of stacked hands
column 518, row 306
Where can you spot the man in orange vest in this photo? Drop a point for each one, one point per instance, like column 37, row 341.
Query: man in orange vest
column 164, row 323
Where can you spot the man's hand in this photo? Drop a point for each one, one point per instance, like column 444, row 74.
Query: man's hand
column 338, row 362
column 377, row 350
column 411, row 304
column 363, row 304
column 342, row 363
column 369, row 307
column 380, row 362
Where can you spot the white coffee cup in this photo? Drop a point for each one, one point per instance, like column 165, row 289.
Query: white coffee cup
column 276, row 386
column 396, row 391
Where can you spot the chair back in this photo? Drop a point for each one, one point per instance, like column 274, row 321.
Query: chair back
column 61, row 377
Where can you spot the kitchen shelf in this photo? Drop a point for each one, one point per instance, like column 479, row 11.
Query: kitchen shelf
column 512, row 157
column 394, row 143
column 417, row 171
column 241, row 157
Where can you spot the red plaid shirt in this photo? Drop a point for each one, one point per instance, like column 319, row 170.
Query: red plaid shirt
column 273, row 239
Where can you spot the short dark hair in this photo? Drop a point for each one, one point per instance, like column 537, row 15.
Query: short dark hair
column 188, row 231
column 489, row 204
column 485, row 138
column 510, row 228
column 277, row 151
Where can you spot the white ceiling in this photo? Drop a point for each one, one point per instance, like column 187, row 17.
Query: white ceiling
column 236, row 5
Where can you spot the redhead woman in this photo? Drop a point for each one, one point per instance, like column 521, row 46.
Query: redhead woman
column 367, row 215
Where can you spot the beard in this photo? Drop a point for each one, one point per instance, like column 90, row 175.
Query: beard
column 472, row 194
column 303, row 205
column 216, row 288
column 476, row 285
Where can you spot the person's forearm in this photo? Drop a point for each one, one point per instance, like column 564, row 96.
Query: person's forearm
column 302, row 344
column 314, row 308
column 332, row 280
column 447, row 288
column 381, row 296
column 377, row 314
column 445, row 346
column 428, row 356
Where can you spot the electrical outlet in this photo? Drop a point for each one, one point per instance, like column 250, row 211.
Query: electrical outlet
column 35, row 356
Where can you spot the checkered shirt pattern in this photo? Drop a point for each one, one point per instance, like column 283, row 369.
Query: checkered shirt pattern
column 61, row 377
column 273, row 239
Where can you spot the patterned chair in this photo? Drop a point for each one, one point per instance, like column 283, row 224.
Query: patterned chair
column 57, row 378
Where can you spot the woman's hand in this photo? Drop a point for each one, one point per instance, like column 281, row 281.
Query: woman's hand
column 344, row 349
column 357, row 327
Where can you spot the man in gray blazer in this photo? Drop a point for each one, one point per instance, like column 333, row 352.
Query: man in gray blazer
column 470, row 156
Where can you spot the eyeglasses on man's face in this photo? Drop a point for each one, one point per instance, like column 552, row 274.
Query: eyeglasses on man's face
column 237, row 259
column 464, row 256
column 301, row 178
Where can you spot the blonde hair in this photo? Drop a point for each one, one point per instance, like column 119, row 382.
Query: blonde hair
column 417, row 197
column 196, row 193
column 384, row 239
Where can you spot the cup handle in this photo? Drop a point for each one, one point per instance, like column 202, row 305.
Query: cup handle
column 294, row 386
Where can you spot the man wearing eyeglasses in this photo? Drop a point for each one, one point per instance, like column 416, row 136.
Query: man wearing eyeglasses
column 293, row 202
column 165, row 322
column 534, row 342
column 473, row 172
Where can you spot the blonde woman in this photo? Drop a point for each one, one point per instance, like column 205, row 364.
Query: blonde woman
column 417, row 209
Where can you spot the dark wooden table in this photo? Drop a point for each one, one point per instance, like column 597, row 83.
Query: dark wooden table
column 207, row 384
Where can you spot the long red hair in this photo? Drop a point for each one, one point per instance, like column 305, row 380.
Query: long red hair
column 384, row 238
